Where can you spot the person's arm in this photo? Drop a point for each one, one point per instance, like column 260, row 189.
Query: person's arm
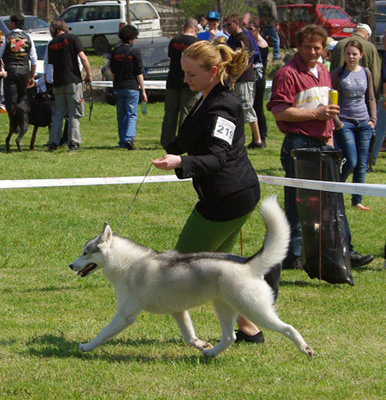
column 375, row 68
column 294, row 114
column 168, row 162
column 384, row 94
column 142, row 86
column 34, row 60
column 211, row 160
column 86, row 65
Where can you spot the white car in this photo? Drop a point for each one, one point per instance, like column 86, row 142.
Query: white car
column 97, row 23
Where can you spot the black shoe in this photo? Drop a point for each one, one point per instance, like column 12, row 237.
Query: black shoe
column 357, row 260
column 74, row 146
column 130, row 145
column 256, row 145
column 52, row 146
column 243, row 337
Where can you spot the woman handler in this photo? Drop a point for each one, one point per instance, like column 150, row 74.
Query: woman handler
column 213, row 137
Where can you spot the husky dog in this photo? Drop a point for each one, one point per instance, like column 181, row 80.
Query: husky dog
column 172, row 283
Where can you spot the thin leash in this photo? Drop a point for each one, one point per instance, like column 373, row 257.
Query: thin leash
column 134, row 198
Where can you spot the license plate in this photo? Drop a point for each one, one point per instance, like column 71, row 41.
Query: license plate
column 151, row 71
column 347, row 30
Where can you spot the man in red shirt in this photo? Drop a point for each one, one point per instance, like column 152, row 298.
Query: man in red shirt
column 299, row 103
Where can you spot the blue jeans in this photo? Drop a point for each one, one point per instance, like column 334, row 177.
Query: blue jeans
column 380, row 130
column 127, row 107
column 272, row 33
column 292, row 142
column 354, row 140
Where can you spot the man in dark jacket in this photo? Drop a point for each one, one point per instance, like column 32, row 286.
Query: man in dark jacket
column 18, row 52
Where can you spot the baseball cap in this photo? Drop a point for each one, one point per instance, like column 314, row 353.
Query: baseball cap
column 365, row 27
column 213, row 15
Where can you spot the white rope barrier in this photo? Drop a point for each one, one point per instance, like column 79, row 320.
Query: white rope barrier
column 365, row 189
column 153, row 85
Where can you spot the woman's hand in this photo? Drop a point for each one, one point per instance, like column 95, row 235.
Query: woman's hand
column 371, row 124
column 168, row 162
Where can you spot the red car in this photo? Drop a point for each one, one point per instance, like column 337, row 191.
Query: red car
column 293, row 17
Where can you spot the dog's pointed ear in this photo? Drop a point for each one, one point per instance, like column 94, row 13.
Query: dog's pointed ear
column 106, row 235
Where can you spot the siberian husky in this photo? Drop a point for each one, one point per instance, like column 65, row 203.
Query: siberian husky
column 172, row 283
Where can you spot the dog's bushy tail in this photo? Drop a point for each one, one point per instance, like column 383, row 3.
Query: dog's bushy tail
column 276, row 240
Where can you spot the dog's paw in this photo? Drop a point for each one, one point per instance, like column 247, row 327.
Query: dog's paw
column 202, row 345
column 85, row 347
column 209, row 352
column 307, row 350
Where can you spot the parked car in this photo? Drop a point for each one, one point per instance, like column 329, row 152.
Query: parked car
column 380, row 23
column 31, row 24
column 293, row 17
column 155, row 61
column 40, row 40
column 97, row 23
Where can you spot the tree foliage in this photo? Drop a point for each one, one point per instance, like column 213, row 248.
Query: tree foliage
column 196, row 8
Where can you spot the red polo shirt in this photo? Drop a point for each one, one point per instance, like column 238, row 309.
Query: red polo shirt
column 295, row 85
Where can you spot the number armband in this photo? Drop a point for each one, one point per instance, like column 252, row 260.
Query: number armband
column 224, row 130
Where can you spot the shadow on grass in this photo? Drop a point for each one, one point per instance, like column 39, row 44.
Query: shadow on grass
column 59, row 347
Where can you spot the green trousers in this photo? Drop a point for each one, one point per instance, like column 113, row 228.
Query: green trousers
column 201, row 234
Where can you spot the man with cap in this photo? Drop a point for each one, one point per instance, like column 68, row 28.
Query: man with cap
column 212, row 32
column 370, row 57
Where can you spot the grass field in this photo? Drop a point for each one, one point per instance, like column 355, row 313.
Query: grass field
column 46, row 310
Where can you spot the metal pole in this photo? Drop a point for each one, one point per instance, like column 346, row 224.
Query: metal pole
column 128, row 16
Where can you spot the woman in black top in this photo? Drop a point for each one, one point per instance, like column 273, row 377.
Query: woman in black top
column 213, row 137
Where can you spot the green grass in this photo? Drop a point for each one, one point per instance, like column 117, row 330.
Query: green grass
column 46, row 310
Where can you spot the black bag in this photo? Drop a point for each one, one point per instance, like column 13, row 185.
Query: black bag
column 111, row 97
column 322, row 216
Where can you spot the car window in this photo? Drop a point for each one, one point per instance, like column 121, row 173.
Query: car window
column 300, row 14
column 142, row 11
column 71, row 15
column 380, row 15
column 40, row 48
column 333, row 13
column 89, row 14
column 34, row 23
column 7, row 23
column 153, row 54
column 282, row 14
column 110, row 12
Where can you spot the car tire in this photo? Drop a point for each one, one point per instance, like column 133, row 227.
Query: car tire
column 101, row 45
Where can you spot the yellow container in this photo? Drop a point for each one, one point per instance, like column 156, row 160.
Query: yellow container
column 333, row 97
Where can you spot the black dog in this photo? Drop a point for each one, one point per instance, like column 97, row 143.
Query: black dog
column 37, row 111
